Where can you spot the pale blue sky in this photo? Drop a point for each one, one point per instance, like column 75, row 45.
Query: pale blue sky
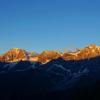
column 38, row 25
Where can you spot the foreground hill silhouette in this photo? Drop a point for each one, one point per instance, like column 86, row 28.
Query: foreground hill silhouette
column 58, row 79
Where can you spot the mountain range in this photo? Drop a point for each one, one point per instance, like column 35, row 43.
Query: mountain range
column 50, row 75
column 16, row 54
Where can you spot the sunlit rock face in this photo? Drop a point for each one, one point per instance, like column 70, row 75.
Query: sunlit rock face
column 85, row 53
column 89, row 52
column 17, row 54
column 47, row 56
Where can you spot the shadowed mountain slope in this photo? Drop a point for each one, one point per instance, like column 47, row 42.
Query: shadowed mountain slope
column 57, row 79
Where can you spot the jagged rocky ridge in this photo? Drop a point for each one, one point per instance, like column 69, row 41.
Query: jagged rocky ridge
column 16, row 54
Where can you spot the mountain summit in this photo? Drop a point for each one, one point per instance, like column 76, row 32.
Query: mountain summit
column 16, row 54
column 85, row 53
